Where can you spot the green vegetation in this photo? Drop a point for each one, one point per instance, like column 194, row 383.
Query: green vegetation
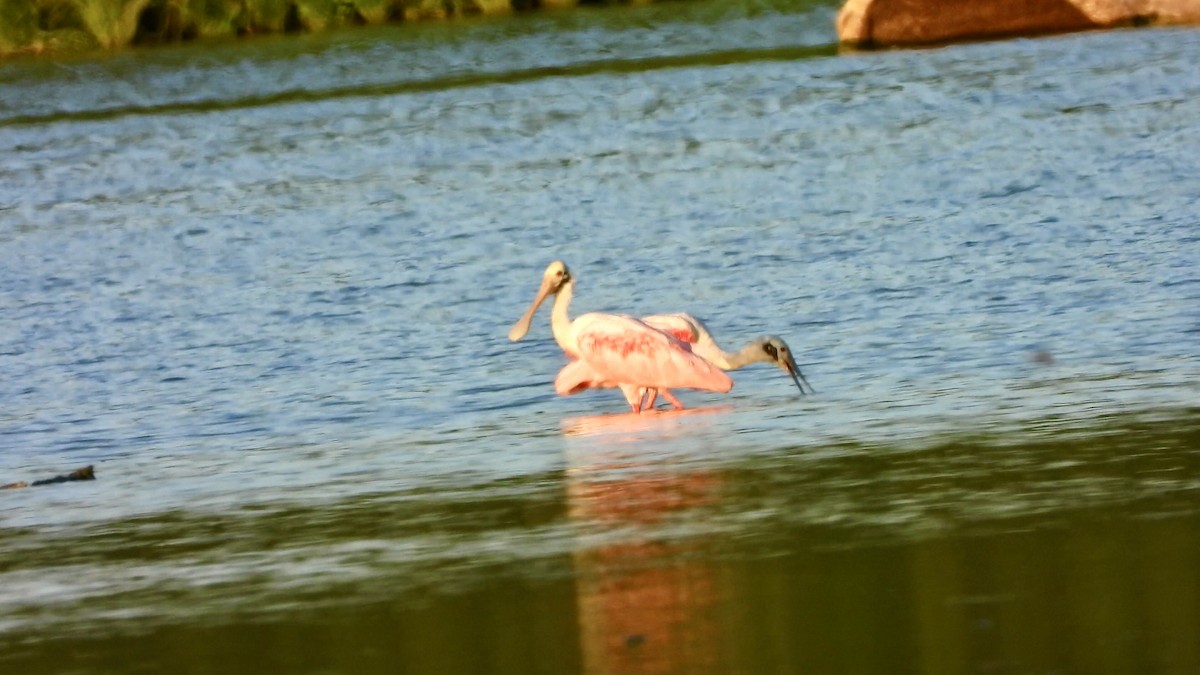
column 37, row 26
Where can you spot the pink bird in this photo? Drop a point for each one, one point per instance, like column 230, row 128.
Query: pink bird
column 689, row 329
column 764, row 349
column 613, row 350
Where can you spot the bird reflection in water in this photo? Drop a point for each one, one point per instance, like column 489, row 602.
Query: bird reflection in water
column 646, row 603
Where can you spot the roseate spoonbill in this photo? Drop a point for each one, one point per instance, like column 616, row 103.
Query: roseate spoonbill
column 765, row 349
column 689, row 329
column 613, row 350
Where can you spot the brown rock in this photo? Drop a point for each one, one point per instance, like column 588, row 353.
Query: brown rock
column 868, row 23
column 1140, row 12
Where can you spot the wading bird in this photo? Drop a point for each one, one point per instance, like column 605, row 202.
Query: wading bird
column 689, row 329
column 613, row 350
column 765, row 349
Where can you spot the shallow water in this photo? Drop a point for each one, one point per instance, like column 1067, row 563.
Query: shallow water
column 265, row 288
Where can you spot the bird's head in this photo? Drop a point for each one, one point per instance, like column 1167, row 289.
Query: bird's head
column 554, row 279
column 776, row 351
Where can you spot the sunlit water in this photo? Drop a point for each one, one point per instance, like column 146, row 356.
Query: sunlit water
column 264, row 289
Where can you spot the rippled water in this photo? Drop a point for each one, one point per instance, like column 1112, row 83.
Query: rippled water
column 264, row 289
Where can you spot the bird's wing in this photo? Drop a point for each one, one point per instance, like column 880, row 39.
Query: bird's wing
column 691, row 330
column 577, row 376
column 624, row 349
column 679, row 325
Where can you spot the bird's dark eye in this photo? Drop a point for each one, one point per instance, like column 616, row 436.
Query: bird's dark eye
column 783, row 350
column 770, row 350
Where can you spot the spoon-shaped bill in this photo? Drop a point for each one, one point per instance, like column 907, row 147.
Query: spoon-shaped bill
column 521, row 327
column 797, row 376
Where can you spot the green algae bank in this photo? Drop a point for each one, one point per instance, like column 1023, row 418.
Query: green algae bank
column 264, row 290
column 73, row 26
column 38, row 26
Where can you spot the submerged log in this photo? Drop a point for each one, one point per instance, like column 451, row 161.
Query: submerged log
column 887, row 23
column 86, row 473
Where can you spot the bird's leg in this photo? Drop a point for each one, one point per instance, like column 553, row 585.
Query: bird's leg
column 633, row 395
column 649, row 397
column 671, row 398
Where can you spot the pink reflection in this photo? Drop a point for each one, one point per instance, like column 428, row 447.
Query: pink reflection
column 632, row 427
column 646, row 604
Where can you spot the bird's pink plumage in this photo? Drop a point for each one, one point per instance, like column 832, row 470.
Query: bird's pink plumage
column 623, row 349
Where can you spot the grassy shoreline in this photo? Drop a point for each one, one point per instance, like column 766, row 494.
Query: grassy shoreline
column 74, row 26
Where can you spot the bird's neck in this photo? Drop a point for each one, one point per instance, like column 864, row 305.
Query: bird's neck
column 560, row 321
column 751, row 353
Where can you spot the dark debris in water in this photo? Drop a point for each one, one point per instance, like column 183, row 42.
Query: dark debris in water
column 86, row 473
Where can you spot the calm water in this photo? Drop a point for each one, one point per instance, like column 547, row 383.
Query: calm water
column 264, row 288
